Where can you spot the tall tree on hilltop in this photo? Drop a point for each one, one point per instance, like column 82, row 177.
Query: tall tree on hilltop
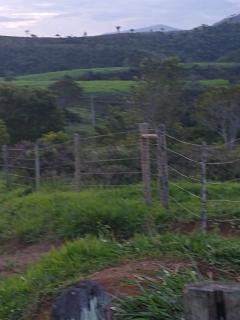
column 118, row 29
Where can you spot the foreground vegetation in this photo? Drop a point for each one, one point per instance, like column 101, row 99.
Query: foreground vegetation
column 20, row 295
column 108, row 215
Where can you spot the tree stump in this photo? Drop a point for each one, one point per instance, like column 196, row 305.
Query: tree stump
column 212, row 301
column 86, row 301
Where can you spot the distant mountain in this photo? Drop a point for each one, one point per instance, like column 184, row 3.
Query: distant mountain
column 156, row 28
column 235, row 18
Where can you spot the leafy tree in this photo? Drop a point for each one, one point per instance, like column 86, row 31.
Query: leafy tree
column 67, row 91
column 158, row 94
column 218, row 110
column 29, row 113
column 117, row 121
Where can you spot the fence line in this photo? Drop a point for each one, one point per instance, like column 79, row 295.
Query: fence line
column 139, row 157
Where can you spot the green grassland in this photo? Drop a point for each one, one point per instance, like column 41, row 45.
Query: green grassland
column 104, row 226
column 44, row 80
column 75, row 74
column 212, row 64
column 214, row 83
column 89, row 87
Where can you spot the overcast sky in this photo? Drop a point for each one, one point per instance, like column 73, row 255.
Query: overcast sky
column 73, row 17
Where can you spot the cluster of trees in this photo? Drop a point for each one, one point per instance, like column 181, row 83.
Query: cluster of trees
column 161, row 96
column 25, row 55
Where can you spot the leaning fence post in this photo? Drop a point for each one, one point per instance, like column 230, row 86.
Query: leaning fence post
column 77, row 173
column 163, row 166
column 204, row 188
column 6, row 166
column 145, row 162
column 37, row 167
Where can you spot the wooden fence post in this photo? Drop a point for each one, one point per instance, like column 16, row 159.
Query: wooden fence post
column 93, row 110
column 77, row 174
column 204, row 188
column 37, row 167
column 6, row 166
column 145, row 162
column 163, row 166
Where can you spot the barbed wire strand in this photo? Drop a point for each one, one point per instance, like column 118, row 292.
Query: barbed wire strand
column 183, row 156
column 111, row 160
column 184, row 208
column 185, row 190
column 183, row 175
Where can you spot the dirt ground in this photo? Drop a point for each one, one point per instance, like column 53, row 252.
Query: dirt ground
column 15, row 258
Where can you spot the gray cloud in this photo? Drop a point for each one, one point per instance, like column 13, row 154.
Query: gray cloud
column 47, row 17
column 9, row 19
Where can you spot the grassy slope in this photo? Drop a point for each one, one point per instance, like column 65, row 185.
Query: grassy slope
column 75, row 260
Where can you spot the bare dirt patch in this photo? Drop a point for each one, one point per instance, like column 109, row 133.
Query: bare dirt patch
column 15, row 258
column 117, row 280
column 225, row 228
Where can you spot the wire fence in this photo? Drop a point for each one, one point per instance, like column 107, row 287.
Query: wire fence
column 189, row 176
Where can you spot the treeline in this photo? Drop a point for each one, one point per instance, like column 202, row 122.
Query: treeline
column 36, row 55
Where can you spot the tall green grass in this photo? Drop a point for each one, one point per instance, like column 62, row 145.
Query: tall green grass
column 52, row 214
column 158, row 300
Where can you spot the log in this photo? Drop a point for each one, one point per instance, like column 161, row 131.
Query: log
column 212, row 301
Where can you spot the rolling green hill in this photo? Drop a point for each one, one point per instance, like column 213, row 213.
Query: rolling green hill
column 38, row 55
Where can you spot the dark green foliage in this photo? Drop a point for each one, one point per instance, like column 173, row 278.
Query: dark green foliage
column 29, row 113
column 218, row 111
column 67, row 91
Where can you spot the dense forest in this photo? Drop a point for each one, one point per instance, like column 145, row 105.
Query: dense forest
column 209, row 44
